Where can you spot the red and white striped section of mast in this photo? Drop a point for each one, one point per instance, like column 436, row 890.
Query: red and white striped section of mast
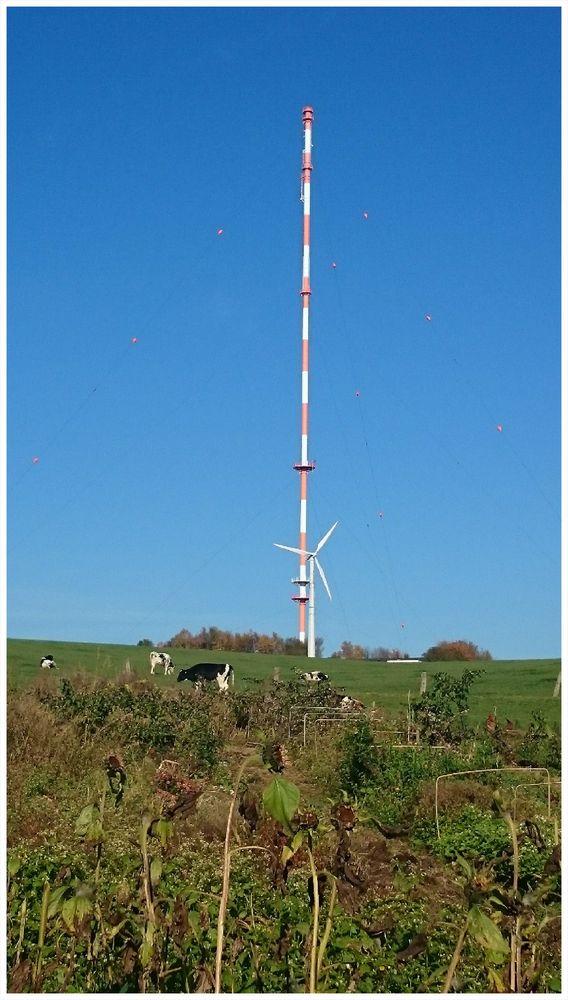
column 304, row 466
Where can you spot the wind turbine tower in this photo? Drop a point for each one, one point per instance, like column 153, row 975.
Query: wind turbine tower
column 304, row 466
column 312, row 558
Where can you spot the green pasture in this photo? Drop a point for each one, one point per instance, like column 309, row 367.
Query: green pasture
column 514, row 688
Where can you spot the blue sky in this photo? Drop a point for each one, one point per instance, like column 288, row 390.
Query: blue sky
column 165, row 466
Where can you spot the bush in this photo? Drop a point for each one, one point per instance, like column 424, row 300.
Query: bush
column 143, row 718
column 541, row 745
column 458, row 649
column 359, row 760
column 266, row 705
column 440, row 713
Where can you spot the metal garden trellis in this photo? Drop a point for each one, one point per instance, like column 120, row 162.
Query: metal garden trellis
column 529, row 784
column 484, row 770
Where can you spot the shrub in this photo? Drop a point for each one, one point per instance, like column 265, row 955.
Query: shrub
column 541, row 745
column 457, row 649
column 359, row 760
column 440, row 712
column 266, row 705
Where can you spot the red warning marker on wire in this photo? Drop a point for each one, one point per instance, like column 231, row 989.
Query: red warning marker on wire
column 35, row 460
column 220, row 232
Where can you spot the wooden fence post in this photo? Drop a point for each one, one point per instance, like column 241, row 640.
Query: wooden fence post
column 423, row 682
column 557, row 685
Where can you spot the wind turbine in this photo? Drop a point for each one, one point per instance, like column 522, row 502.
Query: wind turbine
column 312, row 557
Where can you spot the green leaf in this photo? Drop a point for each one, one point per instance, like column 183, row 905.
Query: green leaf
column 146, row 950
column 74, row 909
column 147, row 946
column 496, row 957
column 496, row 981
column 497, row 901
column 465, row 866
column 485, row 932
column 281, row 799
column 161, row 828
column 14, row 866
column 145, row 824
column 289, row 851
column 297, row 841
column 55, row 898
column 95, row 833
column 83, row 906
column 155, row 870
column 88, row 815
column 68, row 913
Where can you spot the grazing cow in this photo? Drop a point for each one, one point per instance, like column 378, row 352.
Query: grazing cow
column 351, row 704
column 314, row 676
column 47, row 662
column 201, row 672
column 161, row 659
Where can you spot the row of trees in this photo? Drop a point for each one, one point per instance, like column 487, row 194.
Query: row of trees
column 352, row 651
column 456, row 649
column 238, row 642
column 254, row 642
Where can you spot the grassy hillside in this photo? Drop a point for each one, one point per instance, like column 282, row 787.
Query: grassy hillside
column 515, row 688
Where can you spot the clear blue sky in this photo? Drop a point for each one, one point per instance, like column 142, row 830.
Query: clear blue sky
column 165, row 466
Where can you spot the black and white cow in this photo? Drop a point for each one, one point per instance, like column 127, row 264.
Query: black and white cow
column 201, row 672
column 349, row 704
column 314, row 676
column 161, row 659
column 47, row 662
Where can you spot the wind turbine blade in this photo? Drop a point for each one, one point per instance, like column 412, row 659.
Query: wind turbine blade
column 323, row 579
column 323, row 540
column 300, row 552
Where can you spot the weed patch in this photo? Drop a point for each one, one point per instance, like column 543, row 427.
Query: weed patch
column 141, row 862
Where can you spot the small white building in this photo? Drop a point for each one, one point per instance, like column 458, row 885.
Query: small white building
column 404, row 660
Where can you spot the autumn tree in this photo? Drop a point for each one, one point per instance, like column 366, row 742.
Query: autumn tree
column 269, row 644
column 383, row 653
column 182, row 640
column 456, row 649
column 350, row 651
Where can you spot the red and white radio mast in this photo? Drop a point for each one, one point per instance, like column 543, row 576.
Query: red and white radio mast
column 304, row 466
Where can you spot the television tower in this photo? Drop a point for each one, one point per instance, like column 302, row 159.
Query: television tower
column 304, row 466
